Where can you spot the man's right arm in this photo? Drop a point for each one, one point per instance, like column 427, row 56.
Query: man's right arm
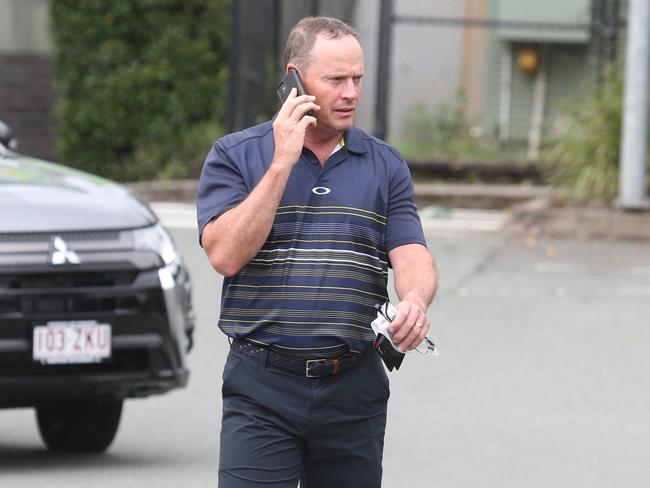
column 235, row 237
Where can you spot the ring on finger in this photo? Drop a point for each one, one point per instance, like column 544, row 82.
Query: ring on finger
column 418, row 325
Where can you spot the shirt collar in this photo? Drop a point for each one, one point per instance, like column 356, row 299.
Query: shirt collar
column 339, row 146
column 353, row 141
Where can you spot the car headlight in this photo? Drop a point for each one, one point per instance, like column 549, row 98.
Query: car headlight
column 157, row 239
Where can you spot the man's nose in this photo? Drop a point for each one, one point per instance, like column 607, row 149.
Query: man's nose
column 350, row 90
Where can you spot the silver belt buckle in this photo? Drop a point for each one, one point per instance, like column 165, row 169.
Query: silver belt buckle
column 307, row 363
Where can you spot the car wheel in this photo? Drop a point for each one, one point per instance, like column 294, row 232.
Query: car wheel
column 81, row 427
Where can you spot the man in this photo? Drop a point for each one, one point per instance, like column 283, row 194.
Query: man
column 303, row 216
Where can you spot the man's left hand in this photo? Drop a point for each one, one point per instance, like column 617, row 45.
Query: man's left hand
column 410, row 326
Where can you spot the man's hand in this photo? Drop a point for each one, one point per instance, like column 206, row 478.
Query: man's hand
column 410, row 326
column 289, row 128
column 235, row 237
column 415, row 283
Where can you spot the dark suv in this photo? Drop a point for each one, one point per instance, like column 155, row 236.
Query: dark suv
column 95, row 302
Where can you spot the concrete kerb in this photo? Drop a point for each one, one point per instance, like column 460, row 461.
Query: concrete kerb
column 165, row 191
column 491, row 196
column 545, row 218
column 479, row 195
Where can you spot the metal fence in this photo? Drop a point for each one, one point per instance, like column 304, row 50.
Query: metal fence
column 487, row 79
column 454, row 79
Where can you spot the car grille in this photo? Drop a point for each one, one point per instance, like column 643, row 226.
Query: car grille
column 49, row 296
column 112, row 235
column 113, row 279
column 30, row 281
column 113, row 284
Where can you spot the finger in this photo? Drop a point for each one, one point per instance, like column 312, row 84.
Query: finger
column 405, row 329
column 291, row 101
column 417, row 335
column 307, row 120
column 413, row 334
column 294, row 100
column 398, row 319
column 301, row 110
column 287, row 106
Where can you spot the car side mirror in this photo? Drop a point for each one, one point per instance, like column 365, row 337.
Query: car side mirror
column 6, row 137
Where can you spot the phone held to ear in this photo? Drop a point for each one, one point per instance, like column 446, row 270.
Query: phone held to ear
column 291, row 80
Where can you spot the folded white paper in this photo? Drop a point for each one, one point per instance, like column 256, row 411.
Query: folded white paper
column 385, row 316
column 381, row 323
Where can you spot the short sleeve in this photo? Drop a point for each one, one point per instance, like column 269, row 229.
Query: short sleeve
column 403, row 226
column 221, row 186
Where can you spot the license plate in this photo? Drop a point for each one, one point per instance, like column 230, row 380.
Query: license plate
column 66, row 342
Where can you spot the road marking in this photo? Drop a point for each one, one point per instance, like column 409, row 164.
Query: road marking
column 443, row 222
column 572, row 268
column 624, row 291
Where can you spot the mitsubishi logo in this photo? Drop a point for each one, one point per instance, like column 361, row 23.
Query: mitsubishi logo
column 61, row 254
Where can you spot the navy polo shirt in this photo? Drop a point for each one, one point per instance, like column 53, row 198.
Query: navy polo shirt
column 312, row 288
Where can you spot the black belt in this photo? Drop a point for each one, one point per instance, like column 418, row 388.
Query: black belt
column 309, row 368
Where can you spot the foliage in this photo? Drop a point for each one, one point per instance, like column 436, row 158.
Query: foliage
column 443, row 133
column 584, row 155
column 141, row 84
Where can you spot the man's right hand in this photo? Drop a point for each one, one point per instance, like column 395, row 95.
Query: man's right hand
column 289, row 128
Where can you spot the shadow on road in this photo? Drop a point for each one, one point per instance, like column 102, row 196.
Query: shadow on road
column 31, row 459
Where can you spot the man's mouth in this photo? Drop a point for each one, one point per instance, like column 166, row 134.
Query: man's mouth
column 344, row 111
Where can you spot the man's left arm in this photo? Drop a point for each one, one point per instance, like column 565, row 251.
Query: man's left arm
column 415, row 283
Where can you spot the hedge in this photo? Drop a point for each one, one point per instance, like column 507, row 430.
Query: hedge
column 142, row 84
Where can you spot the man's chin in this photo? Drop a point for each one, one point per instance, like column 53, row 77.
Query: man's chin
column 342, row 125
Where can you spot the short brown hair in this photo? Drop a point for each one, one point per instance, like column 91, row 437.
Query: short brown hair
column 303, row 36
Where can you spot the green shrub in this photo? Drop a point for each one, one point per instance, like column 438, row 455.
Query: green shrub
column 443, row 133
column 142, row 84
column 584, row 155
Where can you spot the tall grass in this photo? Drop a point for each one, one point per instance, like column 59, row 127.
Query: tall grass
column 583, row 156
column 444, row 133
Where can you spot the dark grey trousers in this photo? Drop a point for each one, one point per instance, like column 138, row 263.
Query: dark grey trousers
column 278, row 427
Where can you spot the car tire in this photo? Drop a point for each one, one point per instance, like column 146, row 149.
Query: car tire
column 80, row 427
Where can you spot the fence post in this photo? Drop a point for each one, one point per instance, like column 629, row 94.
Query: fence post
column 233, row 61
column 632, row 184
column 383, row 69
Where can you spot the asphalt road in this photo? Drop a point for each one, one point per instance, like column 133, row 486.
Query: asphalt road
column 542, row 378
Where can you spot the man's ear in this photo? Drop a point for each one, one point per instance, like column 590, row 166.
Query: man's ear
column 291, row 66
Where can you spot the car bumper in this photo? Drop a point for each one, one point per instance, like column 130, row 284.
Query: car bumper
column 150, row 338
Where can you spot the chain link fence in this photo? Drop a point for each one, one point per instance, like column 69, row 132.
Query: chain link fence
column 488, row 79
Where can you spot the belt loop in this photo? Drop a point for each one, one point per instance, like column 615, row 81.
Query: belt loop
column 335, row 367
column 263, row 356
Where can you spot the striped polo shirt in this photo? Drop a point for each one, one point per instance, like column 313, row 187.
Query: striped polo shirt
column 312, row 288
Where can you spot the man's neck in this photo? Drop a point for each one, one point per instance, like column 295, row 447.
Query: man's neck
column 322, row 144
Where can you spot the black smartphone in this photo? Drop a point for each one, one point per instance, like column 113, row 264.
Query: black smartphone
column 391, row 358
column 291, row 80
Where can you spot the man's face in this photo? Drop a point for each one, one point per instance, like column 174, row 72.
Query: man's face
column 334, row 78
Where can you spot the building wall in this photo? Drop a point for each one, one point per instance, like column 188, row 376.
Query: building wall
column 426, row 61
column 568, row 73
column 27, row 101
column 568, row 58
column 366, row 22
column 571, row 72
column 26, row 75
column 430, row 64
